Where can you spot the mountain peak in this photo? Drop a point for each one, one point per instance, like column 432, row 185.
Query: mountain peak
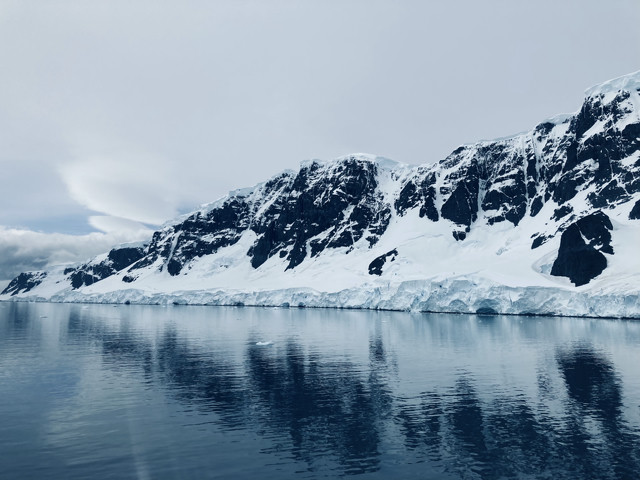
column 628, row 82
column 381, row 162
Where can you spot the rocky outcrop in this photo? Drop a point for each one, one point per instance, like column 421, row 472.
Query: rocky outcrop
column 582, row 247
column 321, row 208
column 375, row 267
column 635, row 211
column 117, row 259
column 24, row 282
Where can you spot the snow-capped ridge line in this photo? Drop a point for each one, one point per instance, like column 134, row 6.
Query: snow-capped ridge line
column 628, row 82
column 382, row 162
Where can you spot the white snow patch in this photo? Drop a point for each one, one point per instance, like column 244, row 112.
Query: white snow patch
column 629, row 82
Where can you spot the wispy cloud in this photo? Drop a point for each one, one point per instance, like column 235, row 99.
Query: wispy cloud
column 128, row 185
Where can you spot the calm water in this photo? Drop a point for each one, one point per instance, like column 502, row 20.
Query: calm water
column 206, row 392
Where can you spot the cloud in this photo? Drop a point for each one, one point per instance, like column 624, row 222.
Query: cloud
column 25, row 250
column 131, row 186
column 109, row 224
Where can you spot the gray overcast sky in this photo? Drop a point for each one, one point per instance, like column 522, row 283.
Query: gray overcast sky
column 119, row 112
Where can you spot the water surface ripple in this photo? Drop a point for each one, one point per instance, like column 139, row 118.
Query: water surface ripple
column 141, row 392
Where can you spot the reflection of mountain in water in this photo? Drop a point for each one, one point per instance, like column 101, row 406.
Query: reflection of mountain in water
column 595, row 422
column 509, row 438
column 474, row 440
column 316, row 410
column 326, row 408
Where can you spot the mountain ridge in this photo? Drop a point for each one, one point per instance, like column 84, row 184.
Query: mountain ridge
column 551, row 208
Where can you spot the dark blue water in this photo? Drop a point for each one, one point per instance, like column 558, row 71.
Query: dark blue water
column 206, row 392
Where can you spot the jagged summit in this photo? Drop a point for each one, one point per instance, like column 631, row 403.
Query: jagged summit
column 545, row 221
column 380, row 162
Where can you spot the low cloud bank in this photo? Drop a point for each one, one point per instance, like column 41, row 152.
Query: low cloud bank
column 26, row 250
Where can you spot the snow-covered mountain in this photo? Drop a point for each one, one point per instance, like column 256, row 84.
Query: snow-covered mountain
column 544, row 222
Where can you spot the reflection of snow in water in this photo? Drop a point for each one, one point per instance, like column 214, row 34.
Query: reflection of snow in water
column 263, row 344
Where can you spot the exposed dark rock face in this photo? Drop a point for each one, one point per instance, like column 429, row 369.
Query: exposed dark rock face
column 580, row 254
column 635, row 212
column 117, row 259
column 459, row 236
column 538, row 240
column 24, row 283
column 536, row 206
column 123, row 257
column 595, row 147
column 462, row 205
column 200, row 234
column 419, row 191
column 562, row 212
column 506, row 185
column 498, row 179
column 375, row 267
column 321, row 211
